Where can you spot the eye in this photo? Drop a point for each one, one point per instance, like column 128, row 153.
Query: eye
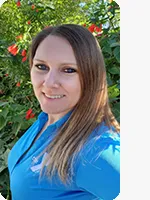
column 41, row 67
column 70, row 70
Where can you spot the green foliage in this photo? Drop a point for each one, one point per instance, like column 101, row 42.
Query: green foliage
column 108, row 14
column 16, row 94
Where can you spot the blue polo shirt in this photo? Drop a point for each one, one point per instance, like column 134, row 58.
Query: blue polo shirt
column 96, row 171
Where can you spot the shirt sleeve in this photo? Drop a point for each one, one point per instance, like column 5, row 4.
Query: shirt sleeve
column 99, row 169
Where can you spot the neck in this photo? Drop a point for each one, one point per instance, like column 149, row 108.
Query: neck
column 52, row 118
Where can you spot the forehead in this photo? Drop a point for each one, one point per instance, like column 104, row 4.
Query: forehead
column 55, row 48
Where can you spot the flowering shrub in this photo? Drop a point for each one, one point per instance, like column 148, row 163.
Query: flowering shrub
column 19, row 23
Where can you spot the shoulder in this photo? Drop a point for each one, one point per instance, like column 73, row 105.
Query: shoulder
column 99, row 167
column 103, row 142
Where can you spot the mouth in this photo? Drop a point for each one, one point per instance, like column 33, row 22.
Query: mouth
column 56, row 96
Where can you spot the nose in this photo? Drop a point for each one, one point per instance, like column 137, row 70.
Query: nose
column 52, row 80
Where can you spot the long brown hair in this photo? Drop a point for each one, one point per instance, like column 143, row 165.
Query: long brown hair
column 93, row 107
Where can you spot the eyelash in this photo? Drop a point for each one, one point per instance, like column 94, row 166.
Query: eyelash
column 70, row 70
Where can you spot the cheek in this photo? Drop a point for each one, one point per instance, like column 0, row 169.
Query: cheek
column 75, row 89
column 35, row 80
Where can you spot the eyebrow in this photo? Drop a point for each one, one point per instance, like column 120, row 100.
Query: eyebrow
column 65, row 63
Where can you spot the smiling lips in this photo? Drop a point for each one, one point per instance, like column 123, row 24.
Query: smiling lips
column 54, row 96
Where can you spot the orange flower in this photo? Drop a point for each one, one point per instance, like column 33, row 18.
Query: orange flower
column 33, row 6
column 13, row 49
column 29, row 114
column 37, row 10
column 18, row 84
column 18, row 3
column 29, row 22
column 19, row 37
column 24, row 59
column 84, row 25
column 23, row 52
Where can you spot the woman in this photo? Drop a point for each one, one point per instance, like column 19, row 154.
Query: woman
column 72, row 150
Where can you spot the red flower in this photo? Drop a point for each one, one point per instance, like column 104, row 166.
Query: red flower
column 24, row 59
column 29, row 114
column 18, row 4
column 23, row 52
column 13, row 49
column 18, row 84
column 33, row 6
column 37, row 10
column 91, row 28
column 98, row 29
column 29, row 22
column 19, row 37
column 84, row 25
column 6, row 74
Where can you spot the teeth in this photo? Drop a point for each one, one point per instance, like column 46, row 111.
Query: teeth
column 54, row 97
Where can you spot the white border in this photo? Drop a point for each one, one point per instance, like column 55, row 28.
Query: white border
column 1, row 197
column 2, row 1
column 135, row 99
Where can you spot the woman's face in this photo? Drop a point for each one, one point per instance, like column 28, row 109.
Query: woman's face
column 55, row 76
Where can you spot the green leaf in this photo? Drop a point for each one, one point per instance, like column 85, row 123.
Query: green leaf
column 16, row 127
column 109, row 79
column 1, row 143
column 117, row 106
column 3, row 103
column 4, row 112
column 3, row 160
column 115, row 44
column 107, row 49
column 113, row 91
column 116, row 53
column 114, row 70
column 1, row 147
column 116, row 110
column 2, row 122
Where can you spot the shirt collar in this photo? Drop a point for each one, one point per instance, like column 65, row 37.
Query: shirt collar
column 44, row 117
